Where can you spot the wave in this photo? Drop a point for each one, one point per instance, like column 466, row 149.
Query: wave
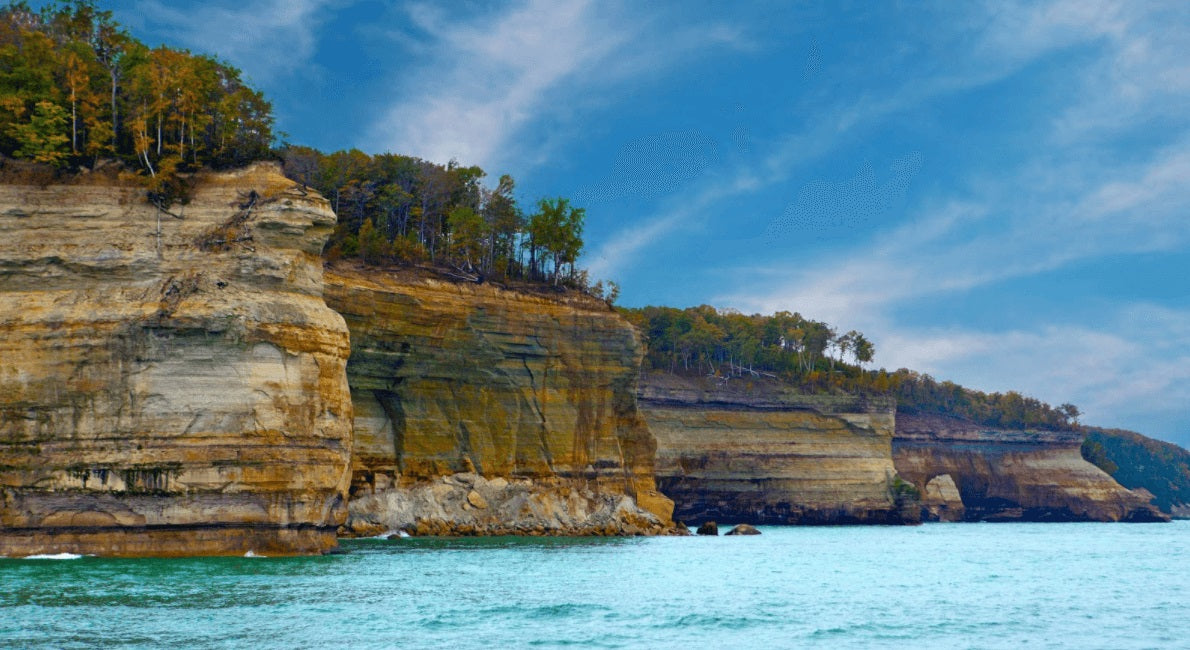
column 389, row 535
column 54, row 556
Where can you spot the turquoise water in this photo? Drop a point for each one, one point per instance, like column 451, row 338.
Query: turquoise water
column 939, row 585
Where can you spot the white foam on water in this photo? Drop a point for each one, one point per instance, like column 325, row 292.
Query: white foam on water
column 253, row 554
column 54, row 556
column 389, row 535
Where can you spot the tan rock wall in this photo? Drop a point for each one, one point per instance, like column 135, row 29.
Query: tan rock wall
column 462, row 378
column 765, row 456
column 169, row 386
column 1005, row 475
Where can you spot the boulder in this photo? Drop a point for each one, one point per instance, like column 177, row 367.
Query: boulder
column 708, row 528
column 743, row 529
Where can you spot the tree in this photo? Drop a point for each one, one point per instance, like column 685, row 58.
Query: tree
column 556, row 231
column 862, row 349
column 505, row 222
column 468, row 236
column 373, row 248
column 43, row 138
column 1070, row 413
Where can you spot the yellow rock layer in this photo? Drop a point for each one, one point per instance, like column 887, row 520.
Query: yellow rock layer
column 169, row 384
column 728, row 453
column 452, row 378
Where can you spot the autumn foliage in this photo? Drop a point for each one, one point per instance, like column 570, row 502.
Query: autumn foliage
column 76, row 88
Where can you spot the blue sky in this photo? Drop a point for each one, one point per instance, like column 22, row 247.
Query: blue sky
column 994, row 193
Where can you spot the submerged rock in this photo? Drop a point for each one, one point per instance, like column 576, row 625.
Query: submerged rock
column 743, row 529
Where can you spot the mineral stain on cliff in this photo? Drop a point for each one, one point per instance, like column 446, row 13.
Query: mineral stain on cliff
column 525, row 400
column 158, row 397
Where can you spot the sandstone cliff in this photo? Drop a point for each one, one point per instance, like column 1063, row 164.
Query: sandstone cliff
column 169, row 385
column 480, row 410
column 755, row 452
column 1002, row 475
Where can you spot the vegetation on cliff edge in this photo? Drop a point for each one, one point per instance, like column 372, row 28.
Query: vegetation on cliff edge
column 396, row 209
column 816, row 357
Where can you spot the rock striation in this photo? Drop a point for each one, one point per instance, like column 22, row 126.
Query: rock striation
column 482, row 410
column 169, row 384
column 755, row 452
column 972, row 473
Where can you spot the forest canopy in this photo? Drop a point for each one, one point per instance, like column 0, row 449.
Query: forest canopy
column 76, row 88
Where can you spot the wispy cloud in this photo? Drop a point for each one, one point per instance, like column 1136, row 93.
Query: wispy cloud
column 1011, row 231
column 488, row 77
column 610, row 258
column 491, row 78
column 1119, row 85
column 1131, row 370
column 264, row 38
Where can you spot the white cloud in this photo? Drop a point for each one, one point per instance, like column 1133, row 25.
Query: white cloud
column 489, row 77
column 264, row 38
column 1142, row 77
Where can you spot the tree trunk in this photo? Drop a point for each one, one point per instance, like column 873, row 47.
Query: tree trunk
column 115, row 112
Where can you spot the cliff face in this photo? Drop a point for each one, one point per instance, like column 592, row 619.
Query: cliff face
column 768, row 456
column 485, row 411
column 169, row 386
column 1009, row 475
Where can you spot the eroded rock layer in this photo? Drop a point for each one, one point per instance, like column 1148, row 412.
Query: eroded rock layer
column 169, row 384
column 746, row 451
column 1002, row 475
column 536, row 390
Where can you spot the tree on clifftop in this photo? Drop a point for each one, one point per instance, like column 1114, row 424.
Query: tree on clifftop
column 74, row 87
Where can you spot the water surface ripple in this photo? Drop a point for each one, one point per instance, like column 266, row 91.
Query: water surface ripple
column 934, row 586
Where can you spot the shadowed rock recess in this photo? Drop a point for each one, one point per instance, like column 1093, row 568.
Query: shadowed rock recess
column 169, row 385
column 972, row 473
column 756, row 452
column 483, row 411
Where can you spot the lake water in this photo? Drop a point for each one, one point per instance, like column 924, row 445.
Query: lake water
column 938, row 585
